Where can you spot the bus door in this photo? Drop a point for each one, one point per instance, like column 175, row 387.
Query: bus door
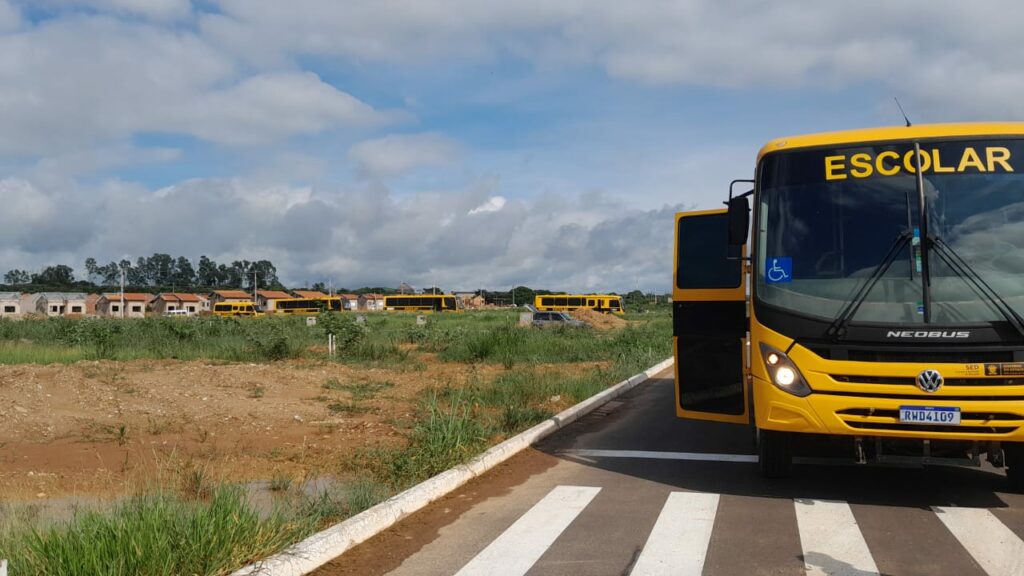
column 709, row 317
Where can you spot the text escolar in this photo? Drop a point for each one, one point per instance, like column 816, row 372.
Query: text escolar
column 891, row 163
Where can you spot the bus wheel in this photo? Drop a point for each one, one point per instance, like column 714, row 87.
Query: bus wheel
column 1014, row 453
column 775, row 453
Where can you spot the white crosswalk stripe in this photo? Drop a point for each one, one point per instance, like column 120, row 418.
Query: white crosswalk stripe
column 830, row 537
column 679, row 541
column 992, row 545
column 831, row 540
column 522, row 544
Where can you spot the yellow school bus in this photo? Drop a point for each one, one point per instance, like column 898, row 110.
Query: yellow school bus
column 878, row 299
column 421, row 303
column 307, row 306
column 227, row 309
column 567, row 302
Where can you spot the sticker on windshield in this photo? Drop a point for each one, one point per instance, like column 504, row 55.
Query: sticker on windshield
column 778, row 270
column 916, row 243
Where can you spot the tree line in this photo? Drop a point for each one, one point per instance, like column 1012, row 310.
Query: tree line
column 162, row 273
column 156, row 271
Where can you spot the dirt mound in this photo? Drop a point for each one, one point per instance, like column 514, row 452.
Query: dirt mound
column 598, row 320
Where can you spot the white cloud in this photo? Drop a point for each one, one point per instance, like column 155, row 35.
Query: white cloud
column 24, row 205
column 100, row 72
column 396, row 154
column 939, row 53
column 360, row 236
column 39, row 221
column 415, row 30
column 90, row 160
column 154, row 9
column 77, row 82
column 10, row 17
column 493, row 204
column 269, row 107
column 157, row 10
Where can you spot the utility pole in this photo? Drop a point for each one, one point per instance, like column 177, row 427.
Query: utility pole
column 254, row 284
column 122, row 292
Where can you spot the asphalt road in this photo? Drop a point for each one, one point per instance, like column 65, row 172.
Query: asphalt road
column 631, row 489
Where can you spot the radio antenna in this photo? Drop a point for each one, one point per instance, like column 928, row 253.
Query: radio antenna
column 907, row 120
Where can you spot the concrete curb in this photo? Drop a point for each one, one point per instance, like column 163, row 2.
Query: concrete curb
column 322, row 547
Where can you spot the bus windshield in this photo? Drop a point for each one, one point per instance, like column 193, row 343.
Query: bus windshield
column 828, row 219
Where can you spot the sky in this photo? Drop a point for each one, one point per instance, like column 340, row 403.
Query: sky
column 458, row 143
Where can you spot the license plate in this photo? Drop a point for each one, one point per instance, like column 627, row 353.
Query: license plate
column 930, row 415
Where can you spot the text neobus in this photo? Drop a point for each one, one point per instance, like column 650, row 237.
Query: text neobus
column 891, row 163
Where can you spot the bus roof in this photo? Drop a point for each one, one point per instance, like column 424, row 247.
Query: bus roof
column 887, row 133
column 584, row 295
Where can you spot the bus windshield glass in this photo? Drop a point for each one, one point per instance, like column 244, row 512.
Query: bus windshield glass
column 828, row 219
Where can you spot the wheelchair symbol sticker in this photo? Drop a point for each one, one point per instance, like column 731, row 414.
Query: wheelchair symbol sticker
column 778, row 270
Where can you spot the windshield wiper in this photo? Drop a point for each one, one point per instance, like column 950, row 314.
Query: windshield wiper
column 964, row 270
column 838, row 327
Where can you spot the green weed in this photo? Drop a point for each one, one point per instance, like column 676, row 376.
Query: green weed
column 347, row 408
column 361, row 391
column 280, row 483
column 515, row 419
column 446, row 434
column 160, row 535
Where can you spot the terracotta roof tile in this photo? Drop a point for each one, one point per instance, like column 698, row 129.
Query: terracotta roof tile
column 129, row 296
column 273, row 294
column 233, row 294
column 180, row 297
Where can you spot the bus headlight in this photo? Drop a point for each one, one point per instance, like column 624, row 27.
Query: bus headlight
column 783, row 373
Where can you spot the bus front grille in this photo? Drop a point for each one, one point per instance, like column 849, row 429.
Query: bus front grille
column 911, row 381
column 937, row 354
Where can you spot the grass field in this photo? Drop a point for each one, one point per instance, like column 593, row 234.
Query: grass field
column 469, row 337
column 516, row 379
column 167, row 534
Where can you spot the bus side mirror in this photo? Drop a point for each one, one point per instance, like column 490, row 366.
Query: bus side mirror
column 739, row 220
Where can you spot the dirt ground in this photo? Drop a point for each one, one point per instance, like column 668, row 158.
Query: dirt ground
column 599, row 320
column 109, row 428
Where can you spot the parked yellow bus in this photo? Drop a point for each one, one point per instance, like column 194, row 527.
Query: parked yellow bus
column 885, row 297
column 307, row 306
column 421, row 303
column 226, row 309
column 566, row 302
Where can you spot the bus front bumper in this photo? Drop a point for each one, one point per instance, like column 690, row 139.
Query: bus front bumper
column 836, row 413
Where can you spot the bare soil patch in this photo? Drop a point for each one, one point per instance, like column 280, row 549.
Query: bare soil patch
column 599, row 320
column 110, row 428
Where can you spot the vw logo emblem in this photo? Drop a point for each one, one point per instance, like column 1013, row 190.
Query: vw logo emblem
column 929, row 380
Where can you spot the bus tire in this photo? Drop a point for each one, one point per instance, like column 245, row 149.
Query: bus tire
column 1014, row 454
column 775, row 453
